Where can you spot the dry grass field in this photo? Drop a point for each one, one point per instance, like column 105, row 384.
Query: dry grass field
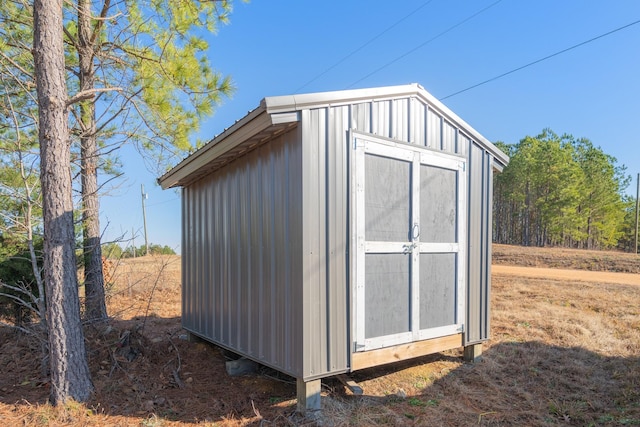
column 563, row 352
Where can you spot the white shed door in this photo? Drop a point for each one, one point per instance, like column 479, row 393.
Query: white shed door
column 408, row 231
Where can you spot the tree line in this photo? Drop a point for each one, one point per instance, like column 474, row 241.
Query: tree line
column 115, row 251
column 558, row 190
column 78, row 79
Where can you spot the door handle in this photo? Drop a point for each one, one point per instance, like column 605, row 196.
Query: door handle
column 415, row 232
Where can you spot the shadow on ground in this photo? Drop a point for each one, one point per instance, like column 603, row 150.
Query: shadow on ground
column 520, row 383
column 144, row 369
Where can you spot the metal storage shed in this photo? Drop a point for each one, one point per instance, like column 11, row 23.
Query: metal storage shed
column 329, row 232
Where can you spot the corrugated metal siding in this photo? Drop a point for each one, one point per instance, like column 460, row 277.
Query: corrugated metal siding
column 410, row 120
column 242, row 239
column 434, row 130
column 479, row 253
column 337, row 238
column 266, row 238
column 418, row 123
column 448, row 137
column 463, row 144
column 325, row 231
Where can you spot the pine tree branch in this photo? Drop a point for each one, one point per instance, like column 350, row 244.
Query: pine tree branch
column 19, row 300
column 100, row 22
column 117, row 113
column 19, row 328
column 15, row 64
column 72, row 39
column 89, row 94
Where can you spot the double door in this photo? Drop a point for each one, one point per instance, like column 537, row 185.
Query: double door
column 408, row 242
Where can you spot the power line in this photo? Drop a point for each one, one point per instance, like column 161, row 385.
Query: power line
column 541, row 59
column 349, row 55
column 424, row 43
column 163, row 202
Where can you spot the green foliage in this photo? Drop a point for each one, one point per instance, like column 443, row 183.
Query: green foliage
column 16, row 270
column 153, row 78
column 156, row 55
column 16, row 60
column 115, row 251
column 20, row 209
column 414, row 401
column 558, row 190
column 19, row 181
column 151, row 68
column 112, row 250
column 628, row 238
column 19, row 195
column 15, row 261
column 601, row 202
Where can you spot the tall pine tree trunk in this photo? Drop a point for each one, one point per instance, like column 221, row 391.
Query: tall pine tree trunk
column 526, row 226
column 70, row 376
column 95, row 307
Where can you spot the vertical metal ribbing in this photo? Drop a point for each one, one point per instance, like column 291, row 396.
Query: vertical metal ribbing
column 283, row 284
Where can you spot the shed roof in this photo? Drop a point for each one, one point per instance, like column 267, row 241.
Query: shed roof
column 277, row 114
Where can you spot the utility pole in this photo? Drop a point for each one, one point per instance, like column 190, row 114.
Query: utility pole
column 144, row 218
column 635, row 247
column 133, row 241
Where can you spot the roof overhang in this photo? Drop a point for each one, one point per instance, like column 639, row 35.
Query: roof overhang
column 254, row 129
column 278, row 114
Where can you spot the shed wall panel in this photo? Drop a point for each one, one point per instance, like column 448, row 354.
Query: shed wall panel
column 448, row 137
column 408, row 120
column 337, row 242
column 186, row 258
column 360, row 118
column 256, row 264
column 381, row 124
column 415, row 122
column 314, row 240
column 325, row 310
column 418, row 123
column 463, row 144
column 242, row 254
column 434, row 127
column 479, row 245
column 488, row 244
column 402, row 120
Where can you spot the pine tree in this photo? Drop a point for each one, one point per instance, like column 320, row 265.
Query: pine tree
column 601, row 202
column 150, row 62
column 70, row 376
column 145, row 65
column 557, row 190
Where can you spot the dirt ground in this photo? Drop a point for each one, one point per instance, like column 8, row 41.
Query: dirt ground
column 564, row 258
column 570, row 276
column 565, row 350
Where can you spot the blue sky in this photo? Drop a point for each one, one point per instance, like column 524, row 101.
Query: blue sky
column 281, row 47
